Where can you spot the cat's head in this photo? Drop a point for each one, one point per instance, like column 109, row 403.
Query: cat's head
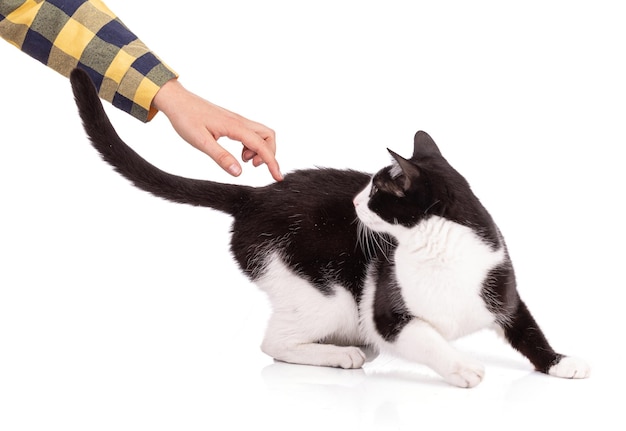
column 411, row 190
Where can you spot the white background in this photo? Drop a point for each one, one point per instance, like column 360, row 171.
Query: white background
column 121, row 311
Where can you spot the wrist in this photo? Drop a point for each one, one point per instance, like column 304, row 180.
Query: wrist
column 165, row 97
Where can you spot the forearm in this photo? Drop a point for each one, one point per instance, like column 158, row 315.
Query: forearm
column 65, row 34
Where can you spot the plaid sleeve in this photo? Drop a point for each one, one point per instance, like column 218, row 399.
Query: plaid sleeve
column 65, row 34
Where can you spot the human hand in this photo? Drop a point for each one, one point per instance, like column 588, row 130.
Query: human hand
column 201, row 123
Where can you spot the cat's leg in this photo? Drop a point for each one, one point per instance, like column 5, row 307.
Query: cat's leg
column 292, row 337
column 305, row 316
column 420, row 342
column 523, row 333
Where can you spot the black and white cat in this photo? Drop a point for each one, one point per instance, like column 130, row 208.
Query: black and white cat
column 403, row 261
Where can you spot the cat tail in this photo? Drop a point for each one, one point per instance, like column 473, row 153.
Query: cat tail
column 223, row 197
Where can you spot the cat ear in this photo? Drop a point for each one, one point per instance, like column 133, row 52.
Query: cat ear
column 409, row 169
column 424, row 146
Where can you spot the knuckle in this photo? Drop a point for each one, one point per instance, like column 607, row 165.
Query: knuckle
column 224, row 158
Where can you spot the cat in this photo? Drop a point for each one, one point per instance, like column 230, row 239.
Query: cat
column 404, row 261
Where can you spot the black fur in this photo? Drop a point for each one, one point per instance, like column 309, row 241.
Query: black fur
column 309, row 207
column 390, row 312
column 310, row 219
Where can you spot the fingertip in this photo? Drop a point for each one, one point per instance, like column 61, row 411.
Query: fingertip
column 234, row 170
column 275, row 171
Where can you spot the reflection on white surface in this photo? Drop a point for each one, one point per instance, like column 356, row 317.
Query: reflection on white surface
column 401, row 396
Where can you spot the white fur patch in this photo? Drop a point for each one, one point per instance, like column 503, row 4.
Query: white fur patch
column 570, row 368
column 367, row 217
column 308, row 327
column 441, row 267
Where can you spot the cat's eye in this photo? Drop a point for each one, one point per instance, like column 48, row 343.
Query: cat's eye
column 374, row 190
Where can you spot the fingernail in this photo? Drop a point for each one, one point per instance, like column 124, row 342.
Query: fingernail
column 234, row 169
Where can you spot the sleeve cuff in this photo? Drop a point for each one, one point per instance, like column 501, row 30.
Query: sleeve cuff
column 139, row 85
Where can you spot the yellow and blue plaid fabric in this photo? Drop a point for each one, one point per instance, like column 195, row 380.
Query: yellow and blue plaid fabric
column 65, row 34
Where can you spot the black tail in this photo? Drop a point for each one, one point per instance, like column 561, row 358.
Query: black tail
column 104, row 138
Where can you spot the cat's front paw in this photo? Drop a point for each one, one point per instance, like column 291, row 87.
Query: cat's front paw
column 570, row 368
column 466, row 374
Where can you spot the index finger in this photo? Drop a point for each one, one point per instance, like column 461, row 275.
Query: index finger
column 264, row 148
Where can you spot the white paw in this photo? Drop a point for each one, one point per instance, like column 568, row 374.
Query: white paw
column 348, row 357
column 466, row 374
column 570, row 368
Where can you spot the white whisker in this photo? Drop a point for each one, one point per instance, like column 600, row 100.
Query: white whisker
column 431, row 205
column 370, row 241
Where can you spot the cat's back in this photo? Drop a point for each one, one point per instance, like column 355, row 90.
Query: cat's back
column 310, row 191
column 323, row 183
column 309, row 218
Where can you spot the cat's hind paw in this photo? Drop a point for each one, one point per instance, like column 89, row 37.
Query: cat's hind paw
column 570, row 368
column 325, row 355
column 466, row 374
column 348, row 358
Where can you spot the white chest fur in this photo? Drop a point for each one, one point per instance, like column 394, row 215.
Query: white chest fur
column 441, row 267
